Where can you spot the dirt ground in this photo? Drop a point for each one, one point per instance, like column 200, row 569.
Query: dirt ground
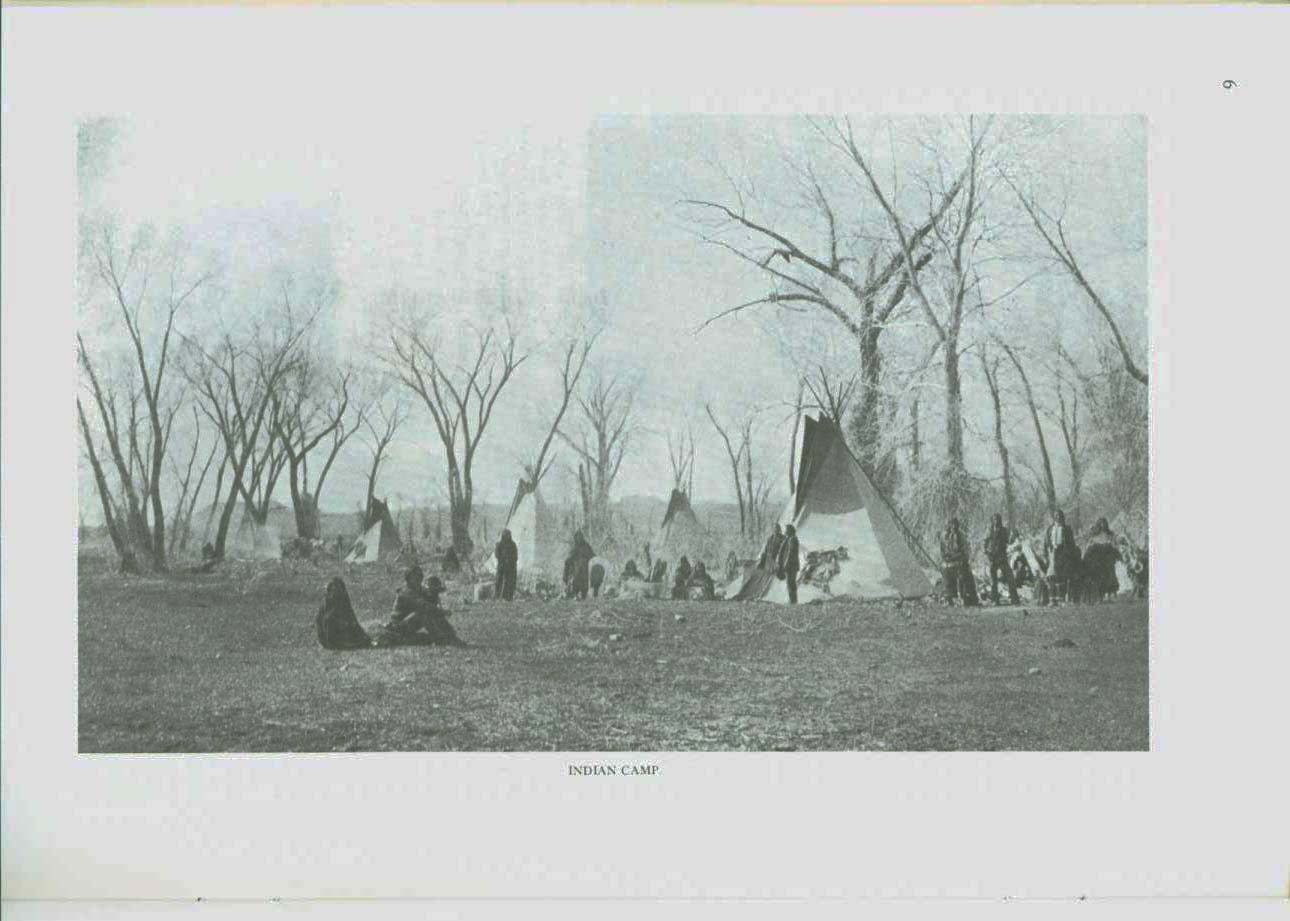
column 228, row 662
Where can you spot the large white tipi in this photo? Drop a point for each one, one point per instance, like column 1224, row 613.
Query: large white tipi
column 835, row 506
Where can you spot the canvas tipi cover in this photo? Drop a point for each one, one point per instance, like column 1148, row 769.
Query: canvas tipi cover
column 533, row 531
column 254, row 541
column 680, row 534
column 837, row 505
column 380, row 539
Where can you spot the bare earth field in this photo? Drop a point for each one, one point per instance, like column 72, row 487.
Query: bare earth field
column 228, row 662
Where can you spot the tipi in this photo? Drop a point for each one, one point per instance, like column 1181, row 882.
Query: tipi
column 680, row 534
column 380, row 538
column 533, row 531
column 254, row 541
column 837, row 505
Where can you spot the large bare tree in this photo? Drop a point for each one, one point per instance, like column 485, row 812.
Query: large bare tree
column 315, row 412
column 382, row 422
column 956, row 233
column 1048, row 482
column 1052, row 231
column 600, row 436
column 460, row 398
column 190, row 489
column 147, row 287
column 990, row 369
column 236, row 379
column 575, row 361
column 851, row 278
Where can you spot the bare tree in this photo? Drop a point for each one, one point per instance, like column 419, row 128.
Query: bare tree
column 112, row 515
column 1050, row 487
column 832, row 393
column 148, row 287
column 680, row 453
column 798, row 405
column 860, row 288
column 189, row 490
column 604, row 430
column 957, row 234
column 382, row 422
column 1120, row 434
column 575, row 360
column 990, row 367
column 1052, row 231
column 235, row 382
column 459, row 398
column 314, row 409
column 740, row 466
column 915, row 437
column 1068, row 419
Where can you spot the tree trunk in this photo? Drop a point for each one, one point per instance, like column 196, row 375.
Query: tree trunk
column 1050, row 487
column 916, row 444
column 459, row 524
column 119, row 541
column 953, row 406
column 305, row 506
column 1005, row 463
column 866, row 421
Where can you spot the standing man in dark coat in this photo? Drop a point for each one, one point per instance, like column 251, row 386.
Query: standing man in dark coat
column 507, row 555
column 954, row 563
column 576, row 573
column 789, row 561
column 770, row 553
column 996, row 551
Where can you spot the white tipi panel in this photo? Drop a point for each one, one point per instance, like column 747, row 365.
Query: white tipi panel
column 367, row 549
column 529, row 522
column 254, row 542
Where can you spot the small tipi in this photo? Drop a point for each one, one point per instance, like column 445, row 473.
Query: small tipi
column 533, row 530
column 680, row 534
column 380, row 540
column 837, row 505
column 254, row 541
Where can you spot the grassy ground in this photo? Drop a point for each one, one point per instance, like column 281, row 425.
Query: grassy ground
column 229, row 662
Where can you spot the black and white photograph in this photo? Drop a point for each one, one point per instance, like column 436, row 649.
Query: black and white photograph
column 821, row 431
column 496, row 460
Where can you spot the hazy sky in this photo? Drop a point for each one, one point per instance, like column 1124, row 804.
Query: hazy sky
column 563, row 214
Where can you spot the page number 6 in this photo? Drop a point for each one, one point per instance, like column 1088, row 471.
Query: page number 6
column 1229, row 84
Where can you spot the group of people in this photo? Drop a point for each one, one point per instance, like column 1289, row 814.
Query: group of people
column 688, row 579
column 1065, row 572
column 782, row 557
column 418, row 618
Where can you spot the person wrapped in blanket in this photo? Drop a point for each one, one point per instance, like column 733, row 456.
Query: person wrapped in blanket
column 700, row 584
column 1100, row 557
column 418, row 619
column 336, row 625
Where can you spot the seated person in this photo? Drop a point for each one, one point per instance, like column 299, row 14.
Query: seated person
column 631, row 572
column 699, row 579
column 418, row 619
column 681, row 581
column 336, row 624
column 596, row 570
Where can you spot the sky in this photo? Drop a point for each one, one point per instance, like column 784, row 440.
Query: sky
column 579, row 223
